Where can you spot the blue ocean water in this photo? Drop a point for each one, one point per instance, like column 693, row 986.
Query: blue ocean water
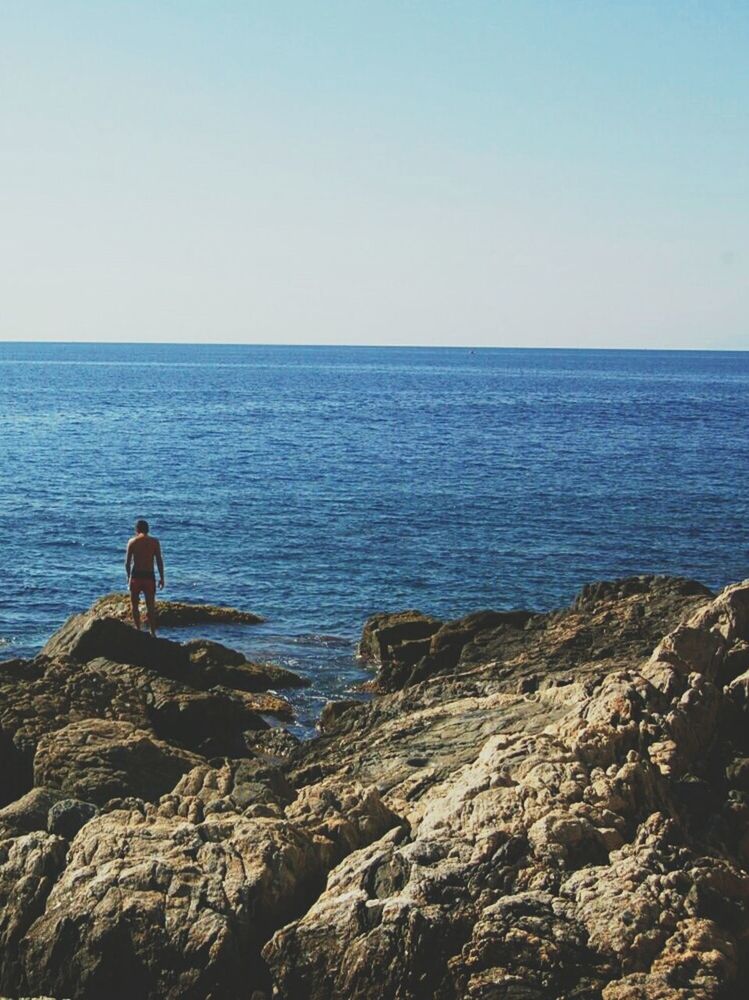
column 316, row 485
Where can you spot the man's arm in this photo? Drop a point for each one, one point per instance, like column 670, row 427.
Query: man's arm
column 159, row 562
column 129, row 558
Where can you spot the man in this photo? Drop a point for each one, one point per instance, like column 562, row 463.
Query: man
column 141, row 553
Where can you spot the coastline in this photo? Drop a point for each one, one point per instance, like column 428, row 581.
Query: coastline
column 550, row 805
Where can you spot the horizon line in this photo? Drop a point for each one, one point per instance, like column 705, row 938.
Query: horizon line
column 374, row 346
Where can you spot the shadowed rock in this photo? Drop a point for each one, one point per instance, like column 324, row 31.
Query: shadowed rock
column 99, row 759
column 67, row 816
column 28, row 813
column 386, row 631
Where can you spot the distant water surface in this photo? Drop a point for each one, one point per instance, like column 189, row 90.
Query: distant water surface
column 317, row 485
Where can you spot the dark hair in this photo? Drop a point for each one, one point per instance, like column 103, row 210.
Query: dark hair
column 141, row 526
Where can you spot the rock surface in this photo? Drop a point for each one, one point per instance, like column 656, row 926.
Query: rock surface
column 102, row 668
column 175, row 614
column 536, row 807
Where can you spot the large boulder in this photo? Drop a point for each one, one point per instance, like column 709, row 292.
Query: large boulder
column 102, row 668
column 100, row 759
column 86, row 637
column 43, row 695
column 209, row 722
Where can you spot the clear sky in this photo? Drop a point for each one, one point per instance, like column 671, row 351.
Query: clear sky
column 564, row 173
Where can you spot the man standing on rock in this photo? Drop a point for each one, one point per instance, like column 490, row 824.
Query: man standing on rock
column 142, row 550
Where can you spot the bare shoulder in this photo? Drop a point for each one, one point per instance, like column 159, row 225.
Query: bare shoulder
column 156, row 542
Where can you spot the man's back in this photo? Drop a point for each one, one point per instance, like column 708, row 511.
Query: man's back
column 143, row 549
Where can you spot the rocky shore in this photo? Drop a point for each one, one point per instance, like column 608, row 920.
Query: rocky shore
column 532, row 806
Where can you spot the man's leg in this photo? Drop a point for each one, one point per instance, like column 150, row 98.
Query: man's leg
column 150, row 595
column 134, row 597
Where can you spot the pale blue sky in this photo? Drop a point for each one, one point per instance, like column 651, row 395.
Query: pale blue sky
column 486, row 173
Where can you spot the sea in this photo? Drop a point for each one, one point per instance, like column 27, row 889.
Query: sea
column 317, row 485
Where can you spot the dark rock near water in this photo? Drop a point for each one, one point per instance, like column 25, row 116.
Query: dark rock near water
column 385, row 631
column 334, row 711
column 103, row 668
column 218, row 664
column 547, row 806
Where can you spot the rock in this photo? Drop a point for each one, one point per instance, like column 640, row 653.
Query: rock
column 86, row 637
column 48, row 695
column 534, row 643
column 276, row 742
column 29, row 866
column 610, row 592
column 67, row 816
column 162, row 692
column 97, row 759
column 207, row 722
column 545, row 806
column 384, row 631
column 160, row 906
column 219, row 664
column 334, row 710
column 29, row 812
column 174, row 614
column 737, row 773
column 559, row 860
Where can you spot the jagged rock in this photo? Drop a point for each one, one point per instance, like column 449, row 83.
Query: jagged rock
column 411, row 662
column 46, row 695
column 29, row 866
column 174, row 614
column 556, row 856
column 207, row 722
column 556, row 810
column 611, row 592
column 200, row 898
column 98, row 759
column 384, row 631
column 102, row 668
column 276, row 743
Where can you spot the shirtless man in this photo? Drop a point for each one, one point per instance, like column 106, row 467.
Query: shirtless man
column 141, row 552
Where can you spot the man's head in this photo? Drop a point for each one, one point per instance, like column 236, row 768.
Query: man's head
column 141, row 526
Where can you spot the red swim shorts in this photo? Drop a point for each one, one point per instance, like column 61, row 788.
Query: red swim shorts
column 145, row 585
